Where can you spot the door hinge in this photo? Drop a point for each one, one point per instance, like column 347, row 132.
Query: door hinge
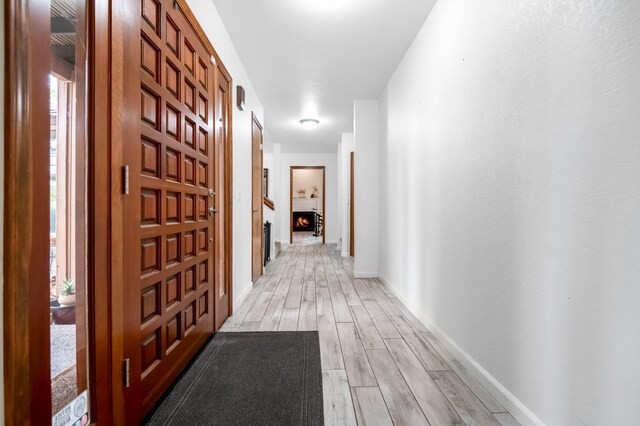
column 260, row 147
column 125, row 180
column 126, row 372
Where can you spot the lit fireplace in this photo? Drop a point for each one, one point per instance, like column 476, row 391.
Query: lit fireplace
column 303, row 221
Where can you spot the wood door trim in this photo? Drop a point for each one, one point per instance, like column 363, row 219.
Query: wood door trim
column 256, row 121
column 267, row 202
column 105, row 251
column 27, row 387
column 79, row 222
column 324, row 198
column 228, row 179
column 26, row 377
column 352, row 233
column 222, row 157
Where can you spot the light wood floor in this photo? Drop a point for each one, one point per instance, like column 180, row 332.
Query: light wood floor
column 306, row 238
column 380, row 365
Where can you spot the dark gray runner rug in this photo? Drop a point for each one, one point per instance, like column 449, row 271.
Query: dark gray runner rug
column 257, row 378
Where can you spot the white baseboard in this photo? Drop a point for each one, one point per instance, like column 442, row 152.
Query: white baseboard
column 344, row 254
column 242, row 295
column 365, row 274
column 285, row 245
column 516, row 408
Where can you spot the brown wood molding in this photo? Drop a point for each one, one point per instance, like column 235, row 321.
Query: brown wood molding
column 269, row 203
column 27, row 386
column 104, row 265
column 228, row 193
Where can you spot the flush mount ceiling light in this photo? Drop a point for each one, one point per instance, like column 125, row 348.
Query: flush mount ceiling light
column 309, row 123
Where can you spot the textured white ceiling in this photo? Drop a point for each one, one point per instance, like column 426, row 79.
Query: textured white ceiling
column 312, row 58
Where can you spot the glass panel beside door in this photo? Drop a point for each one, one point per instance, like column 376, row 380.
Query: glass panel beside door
column 68, row 213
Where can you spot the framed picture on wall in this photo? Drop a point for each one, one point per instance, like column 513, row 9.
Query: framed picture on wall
column 265, row 183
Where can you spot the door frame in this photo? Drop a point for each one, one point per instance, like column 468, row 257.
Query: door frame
column 256, row 121
column 27, row 383
column 26, row 234
column 352, row 233
column 228, row 170
column 324, row 198
column 26, row 226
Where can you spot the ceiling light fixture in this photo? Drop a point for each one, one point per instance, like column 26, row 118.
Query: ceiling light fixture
column 309, row 123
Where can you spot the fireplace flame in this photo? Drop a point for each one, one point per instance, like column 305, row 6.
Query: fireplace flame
column 302, row 222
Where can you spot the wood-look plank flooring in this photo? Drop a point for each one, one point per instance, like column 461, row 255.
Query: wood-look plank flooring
column 380, row 365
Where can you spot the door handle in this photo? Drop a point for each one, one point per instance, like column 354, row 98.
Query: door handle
column 212, row 211
column 255, row 210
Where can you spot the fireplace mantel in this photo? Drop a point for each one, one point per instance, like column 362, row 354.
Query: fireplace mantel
column 307, row 204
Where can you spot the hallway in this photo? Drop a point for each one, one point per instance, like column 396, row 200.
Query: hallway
column 357, row 212
column 380, row 365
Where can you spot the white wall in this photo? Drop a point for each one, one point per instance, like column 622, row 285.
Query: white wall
column 268, row 214
column 272, row 160
column 268, row 159
column 340, row 190
column 366, row 189
column 345, row 191
column 307, row 179
column 207, row 15
column 306, row 147
column 330, row 161
column 510, row 201
column 277, row 190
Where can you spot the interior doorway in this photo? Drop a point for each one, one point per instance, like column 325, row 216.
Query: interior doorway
column 257, row 199
column 307, row 195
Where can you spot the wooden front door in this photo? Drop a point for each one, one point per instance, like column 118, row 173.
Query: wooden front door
column 257, row 261
column 169, row 203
